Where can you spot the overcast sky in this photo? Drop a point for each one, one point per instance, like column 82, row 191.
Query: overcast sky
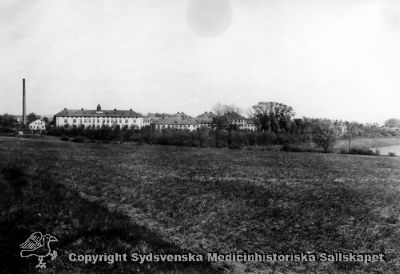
column 335, row 59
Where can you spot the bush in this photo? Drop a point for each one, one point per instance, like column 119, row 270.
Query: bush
column 289, row 148
column 78, row 139
column 364, row 151
column 236, row 140
column 7, row 130
column 221, row 138
column 203, row 137
column 325, row 136
column 64, row 138
column 267, row 138
column 392, row 154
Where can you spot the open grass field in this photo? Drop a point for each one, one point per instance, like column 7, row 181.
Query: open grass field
column 204, row 200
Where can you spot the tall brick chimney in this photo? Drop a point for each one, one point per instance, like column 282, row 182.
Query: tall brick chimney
column 23, row 103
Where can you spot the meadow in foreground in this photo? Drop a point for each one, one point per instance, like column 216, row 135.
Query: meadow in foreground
column 32, row 201
column 223, row 200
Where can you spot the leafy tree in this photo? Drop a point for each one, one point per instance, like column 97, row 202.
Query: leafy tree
column 220, row 122
column 32, row 117
column 221, row 116
column 392, row 122
column 325, row 134
column 273, row 116
column 7, row 121
column 302, row 128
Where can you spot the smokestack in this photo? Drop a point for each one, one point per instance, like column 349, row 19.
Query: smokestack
column 23, row 103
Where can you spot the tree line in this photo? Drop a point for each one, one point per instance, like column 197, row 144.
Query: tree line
column 275, row 124
column 8, row 121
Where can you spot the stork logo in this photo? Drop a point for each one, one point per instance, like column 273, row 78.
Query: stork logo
column 38, row 245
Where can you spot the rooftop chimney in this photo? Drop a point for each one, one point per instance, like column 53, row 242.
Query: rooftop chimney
column 23, row 103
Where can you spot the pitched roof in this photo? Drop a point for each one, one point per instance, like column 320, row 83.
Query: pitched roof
column 169, row 121
column 157, row 114
column 179, row 118
column 233, row 116
column 180, row 115
column 151, row 119
column 38, row 120
column 94, row 113
column 205, row 118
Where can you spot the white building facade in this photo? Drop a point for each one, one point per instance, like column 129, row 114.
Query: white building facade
column 98, row 118
column 38, row 125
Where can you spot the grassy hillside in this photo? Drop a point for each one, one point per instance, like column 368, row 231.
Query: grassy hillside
column 224, row 200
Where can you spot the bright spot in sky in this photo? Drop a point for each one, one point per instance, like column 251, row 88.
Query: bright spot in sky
column 209, row 18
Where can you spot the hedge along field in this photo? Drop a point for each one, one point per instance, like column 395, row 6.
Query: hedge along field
column 238, row 200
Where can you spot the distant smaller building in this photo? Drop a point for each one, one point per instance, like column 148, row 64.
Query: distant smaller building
column 240, row 122
column 19, row 118
column 205, row 120
column 178, row 121
column 38, row 125
column 149, row 120
column 183, row 121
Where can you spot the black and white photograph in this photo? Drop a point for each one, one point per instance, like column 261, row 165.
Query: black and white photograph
column 199, row 136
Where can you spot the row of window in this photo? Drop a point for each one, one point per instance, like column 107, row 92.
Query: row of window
column 248, row 125
column 100, row 126
column 175, row 126
column 199, row 125
column 98, row 121
column 96, row 117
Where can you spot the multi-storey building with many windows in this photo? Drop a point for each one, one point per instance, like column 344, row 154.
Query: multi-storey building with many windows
column 98, row 118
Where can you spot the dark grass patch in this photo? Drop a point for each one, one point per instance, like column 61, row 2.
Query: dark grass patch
column 296, row 218
column 307, row 147
column 78, row 139
column 64, row 138
column 81, row 226
column 363, row 151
